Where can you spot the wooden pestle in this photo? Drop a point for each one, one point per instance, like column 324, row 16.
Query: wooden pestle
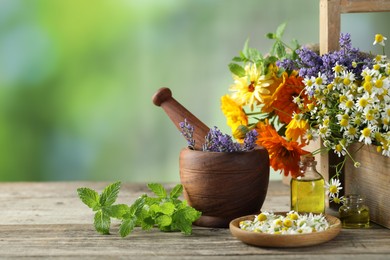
column 177, row 113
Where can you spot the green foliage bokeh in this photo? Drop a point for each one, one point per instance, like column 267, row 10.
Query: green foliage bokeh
column 77, row 77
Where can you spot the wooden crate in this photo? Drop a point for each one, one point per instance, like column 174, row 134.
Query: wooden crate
column 372, row 180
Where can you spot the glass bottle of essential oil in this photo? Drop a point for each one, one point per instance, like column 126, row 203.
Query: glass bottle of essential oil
column 307, row 189
column 354, row 213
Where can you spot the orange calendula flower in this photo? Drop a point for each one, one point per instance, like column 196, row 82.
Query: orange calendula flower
column 297, row 128
column 290, row 88
column 284, row 155
column 233, row 112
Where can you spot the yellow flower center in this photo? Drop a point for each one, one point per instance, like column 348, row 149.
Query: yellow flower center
column 319, row 81
column 326, row 122
column 376, row 67
column 261, row 217
column 330, row 86
column 366, row 132
column 343, row 98
column 352, row 131
column 367, row 86
column 333, row 189
column 346, row 81
column 309, row 83
column 339, row 148
column 349, row 104
column 310, row 106
column 338, row 68
column 363, row 102
column 344, row 122
column 378, row 38
column 379, row 83
column 287, row 222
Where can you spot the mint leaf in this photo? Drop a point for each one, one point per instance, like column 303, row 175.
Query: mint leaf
column 280, row 30
column 163, row 221
column 89, row 197
column 110, row 194
column 102, row 222
column 127, row 226
column 136, row 207
column 116, row 211
column 237, row 69
column 158, row 189
column 147, row 223
column 176, row 191
column 167, row 208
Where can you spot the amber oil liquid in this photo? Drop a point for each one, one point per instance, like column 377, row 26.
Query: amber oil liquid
column 308, row 195
column 354, row 213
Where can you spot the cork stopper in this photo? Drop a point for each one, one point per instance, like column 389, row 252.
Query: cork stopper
column 307, row 158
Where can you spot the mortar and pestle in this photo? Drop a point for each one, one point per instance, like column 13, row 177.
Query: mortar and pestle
column 222, row 185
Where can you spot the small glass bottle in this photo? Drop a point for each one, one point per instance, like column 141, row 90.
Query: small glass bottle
column 354, row 213
column 307, row 189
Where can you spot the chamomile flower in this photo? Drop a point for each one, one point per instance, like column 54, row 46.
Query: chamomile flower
column 379, row 39
column 333, row 187
column 365, row 136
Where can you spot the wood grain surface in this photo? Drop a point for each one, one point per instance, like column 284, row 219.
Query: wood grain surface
column 48, row 221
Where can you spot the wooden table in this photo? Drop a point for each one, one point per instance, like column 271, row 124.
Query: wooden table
column 47, row 220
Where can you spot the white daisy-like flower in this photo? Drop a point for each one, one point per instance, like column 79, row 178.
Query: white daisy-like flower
column 365, row 136
column 333, row 187
column 379, row 39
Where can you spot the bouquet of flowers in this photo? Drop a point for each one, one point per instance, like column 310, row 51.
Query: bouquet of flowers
column 293, row 96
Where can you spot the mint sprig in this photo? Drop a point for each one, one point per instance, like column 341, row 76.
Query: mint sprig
column 103, row 205
column 166, row 211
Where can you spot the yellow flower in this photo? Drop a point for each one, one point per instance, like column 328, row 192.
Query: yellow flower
column 248, row 90
column 296, row 128
column 233, row 112
column 379, row 39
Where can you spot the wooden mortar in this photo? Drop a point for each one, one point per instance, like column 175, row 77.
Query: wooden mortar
column 224, row 186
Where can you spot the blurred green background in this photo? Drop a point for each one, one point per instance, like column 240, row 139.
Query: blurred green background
column 77, row 77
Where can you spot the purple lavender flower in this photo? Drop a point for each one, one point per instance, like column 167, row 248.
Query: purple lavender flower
column 216, row 141
column 309, row 63
column 187, row 130
column 250, row 140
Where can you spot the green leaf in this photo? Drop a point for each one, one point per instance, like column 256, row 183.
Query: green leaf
column 254, row 54
column 116, row 211
column 237, row 69
column 147, row 223
column 190, row 214
column 102, row 222
column 136, row 207
column 127, row 226
column 280, row 49
column 110, row 194
column 158, row 189
column 182, row 224
column 245, row 49
column 280, row 30
column 89, row 197
column 163, row 221
column 237, row 59
column 167, row 208
column 294, row 45
column 176, row 191
column 271, row 36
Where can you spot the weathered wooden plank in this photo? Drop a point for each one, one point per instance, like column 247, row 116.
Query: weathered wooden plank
column 83, row 241
column 47, row 220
